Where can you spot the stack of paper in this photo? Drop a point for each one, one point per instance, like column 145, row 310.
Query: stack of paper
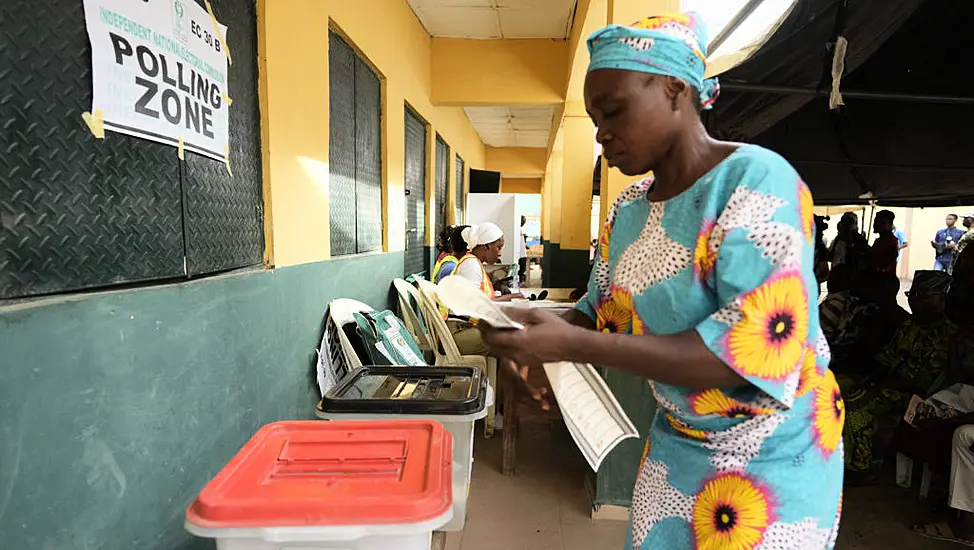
column 594, row 417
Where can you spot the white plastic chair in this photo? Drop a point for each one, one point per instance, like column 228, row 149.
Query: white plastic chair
column 904, row 474
column 445, row 347
column 336, row 356
column 407, row 295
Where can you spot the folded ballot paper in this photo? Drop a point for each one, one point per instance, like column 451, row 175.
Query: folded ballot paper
column 594, row 418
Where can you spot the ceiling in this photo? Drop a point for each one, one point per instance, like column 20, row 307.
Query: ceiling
column 498, row 20
column 495, row 19
column 512, row 126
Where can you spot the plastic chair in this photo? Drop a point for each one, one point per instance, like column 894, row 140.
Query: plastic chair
column 445, row 348
column 337, row 356
column 407, row 296
column 904, row 474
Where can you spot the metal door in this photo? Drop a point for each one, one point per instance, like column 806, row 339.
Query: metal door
column 459, row 206
column 415, row 193
column 442, row 171
column 341, row 147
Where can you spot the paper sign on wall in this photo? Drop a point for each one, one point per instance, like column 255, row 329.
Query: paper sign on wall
column 159, row 72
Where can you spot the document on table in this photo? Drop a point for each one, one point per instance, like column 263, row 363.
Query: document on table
column 594, row 417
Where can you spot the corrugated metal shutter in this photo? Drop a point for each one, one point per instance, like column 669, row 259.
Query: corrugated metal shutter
column 341, row 152
column 415, row 159
column 442, row 171
column 80, row 213
column 461, row 172
column 355, row 152
column 368, row 158
column 224, row 215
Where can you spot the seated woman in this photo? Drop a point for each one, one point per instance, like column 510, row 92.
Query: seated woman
column 476, row 245
column 913, row 362
column 929, row 442
column 858, row 323
column 447, row 260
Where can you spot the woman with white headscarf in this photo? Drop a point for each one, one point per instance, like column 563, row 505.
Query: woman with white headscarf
column 476, row 246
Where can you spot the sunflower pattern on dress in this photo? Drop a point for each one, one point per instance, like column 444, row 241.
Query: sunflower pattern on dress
column 705, row 251
column 715, row 401
column 615, row 314
column 806, row 208
column 747, row 468
column 809, row 379
column 731, row 511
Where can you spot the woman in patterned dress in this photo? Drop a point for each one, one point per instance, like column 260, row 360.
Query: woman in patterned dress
column 704, row 286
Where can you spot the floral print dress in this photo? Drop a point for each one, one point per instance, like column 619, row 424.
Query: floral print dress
column 753, row 467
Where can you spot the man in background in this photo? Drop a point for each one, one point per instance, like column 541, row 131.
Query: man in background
column 849, row 246
column 900, row 241
column 521, row 248
column 944, row 242
column 886, row 249
column 966, row 238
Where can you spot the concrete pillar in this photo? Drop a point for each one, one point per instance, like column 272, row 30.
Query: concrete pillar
column 624, row 12
column 569, row 264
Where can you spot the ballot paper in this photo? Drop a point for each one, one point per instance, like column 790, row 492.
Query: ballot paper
column 594, row 417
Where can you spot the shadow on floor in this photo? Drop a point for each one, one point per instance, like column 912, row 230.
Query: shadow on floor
column 545, row 506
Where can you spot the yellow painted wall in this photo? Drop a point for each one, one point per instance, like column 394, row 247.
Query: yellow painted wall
column 498, row 72
column 515, row 162
column 295, row 113
column 552, row 216
column 525, row 186
column 576, row 177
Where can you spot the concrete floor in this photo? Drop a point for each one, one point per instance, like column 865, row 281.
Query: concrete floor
column 545, row 507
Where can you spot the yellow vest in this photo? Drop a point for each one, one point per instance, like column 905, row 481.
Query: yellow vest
column 439, row 265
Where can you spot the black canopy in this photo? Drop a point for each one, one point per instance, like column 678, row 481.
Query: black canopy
column 903, row 136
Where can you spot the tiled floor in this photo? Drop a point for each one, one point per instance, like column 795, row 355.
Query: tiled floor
column 545, row 507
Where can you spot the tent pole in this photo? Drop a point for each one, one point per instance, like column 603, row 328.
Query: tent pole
column 733, row 24
column 855, row 94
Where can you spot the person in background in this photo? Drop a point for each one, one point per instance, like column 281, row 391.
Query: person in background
column 860, row 322
column 821, row 249
column 447, row 259
column 947, row 445
column 837, row 302
column 886, row 248
column 960, row 528
column 901, row 242
column 522, row 252
column 944, row 242
column 966, row 238
column 704, row 288
column 477, row 245
column 849, row 247
column 915, row 361
column 960, row 295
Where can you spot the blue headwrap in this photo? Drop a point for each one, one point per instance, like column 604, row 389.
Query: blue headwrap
column 668, row 45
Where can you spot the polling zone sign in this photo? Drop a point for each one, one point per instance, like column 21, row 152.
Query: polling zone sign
column 159, row 72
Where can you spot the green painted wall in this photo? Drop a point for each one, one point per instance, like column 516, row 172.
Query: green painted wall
column 613, row 483
column 116, row 408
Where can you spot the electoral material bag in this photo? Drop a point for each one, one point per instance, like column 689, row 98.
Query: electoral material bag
column 387, row 340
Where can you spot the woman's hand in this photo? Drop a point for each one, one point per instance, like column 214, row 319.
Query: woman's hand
column 521, row 350
column 544, row 339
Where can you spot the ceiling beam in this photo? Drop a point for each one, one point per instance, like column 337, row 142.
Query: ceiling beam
column 853, row 94
column 735, row 23
column 468, row 72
